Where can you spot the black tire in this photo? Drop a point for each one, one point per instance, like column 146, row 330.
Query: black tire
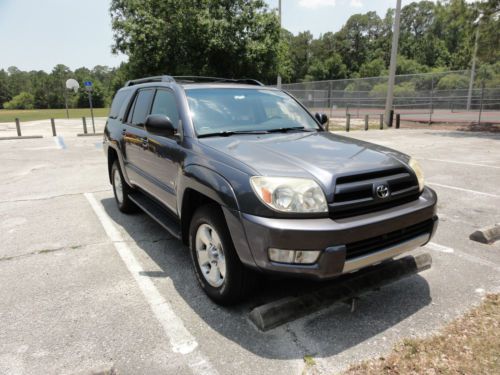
column 125, row 205
column 238, row 280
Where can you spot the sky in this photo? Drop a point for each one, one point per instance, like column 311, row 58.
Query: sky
column 38, row 34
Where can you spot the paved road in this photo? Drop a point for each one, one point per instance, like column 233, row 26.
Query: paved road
column 85, row 288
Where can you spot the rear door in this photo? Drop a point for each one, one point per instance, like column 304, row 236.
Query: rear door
column 164, row 155
column 135, row 137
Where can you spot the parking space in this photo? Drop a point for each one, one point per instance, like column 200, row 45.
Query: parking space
column 86, row 288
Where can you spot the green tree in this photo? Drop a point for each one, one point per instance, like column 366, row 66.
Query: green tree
column 372, row 68
column 409, row 66
column 23, row 100
column 453, row 82
column 4, row 89
column 489, row 32
column 357, row 40
column 238, row 38
column 301, row 54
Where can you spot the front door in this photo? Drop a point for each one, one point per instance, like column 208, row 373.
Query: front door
column 164, row 155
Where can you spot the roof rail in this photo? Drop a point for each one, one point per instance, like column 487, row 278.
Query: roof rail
column 164, row 78
column 195, row 79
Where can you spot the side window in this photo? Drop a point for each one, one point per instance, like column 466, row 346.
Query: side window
column 141, row 107
column 164, row 104
column 117, row 104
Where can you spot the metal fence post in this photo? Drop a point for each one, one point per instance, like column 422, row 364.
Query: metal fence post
column 381, row 121
column 481, row 103
column 84, row 120
column 398, row 120
column 366, row 122
column 53, row 125
column 348, row 122
column 431, row 109
column 18, row 127
column 330, row 93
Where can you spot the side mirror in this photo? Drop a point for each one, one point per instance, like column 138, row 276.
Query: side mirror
column 159, row 125
column 322, row 118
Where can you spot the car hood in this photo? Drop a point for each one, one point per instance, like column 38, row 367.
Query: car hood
column 320, row 155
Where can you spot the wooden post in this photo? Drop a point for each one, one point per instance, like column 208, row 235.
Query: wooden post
column 18, row 127
column 366, row 122
column 84, row 120
column 53, row 125
column 348, row 122
column 398, row 120
column 381, row 121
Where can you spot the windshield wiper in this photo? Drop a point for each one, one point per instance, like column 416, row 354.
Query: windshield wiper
column 286, row 129
column 227, row 133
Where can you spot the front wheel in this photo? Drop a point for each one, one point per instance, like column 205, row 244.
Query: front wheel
column 218, row 268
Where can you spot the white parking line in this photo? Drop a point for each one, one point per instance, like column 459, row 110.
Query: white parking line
column 462, row 162
column 440, row 248
column 180, row 339
column 60, row 142
column 465, row 190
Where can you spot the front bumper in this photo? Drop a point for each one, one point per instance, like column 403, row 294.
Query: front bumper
column 333, row 237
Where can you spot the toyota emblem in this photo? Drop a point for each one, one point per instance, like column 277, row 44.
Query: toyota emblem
column 382, row 191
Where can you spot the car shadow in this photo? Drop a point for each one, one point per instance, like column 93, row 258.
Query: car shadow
column 322, row 334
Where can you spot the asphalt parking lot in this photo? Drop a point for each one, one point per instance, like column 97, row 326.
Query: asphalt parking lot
column 85, row 289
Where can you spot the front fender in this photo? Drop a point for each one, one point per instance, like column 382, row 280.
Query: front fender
column 208, row 183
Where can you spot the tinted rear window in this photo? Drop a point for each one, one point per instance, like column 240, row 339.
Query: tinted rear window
column 142, row 106
column 117, row 104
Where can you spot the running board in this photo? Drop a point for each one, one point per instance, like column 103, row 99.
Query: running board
column 157, row 213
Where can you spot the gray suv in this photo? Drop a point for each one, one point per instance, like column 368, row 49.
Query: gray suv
column 252, row 182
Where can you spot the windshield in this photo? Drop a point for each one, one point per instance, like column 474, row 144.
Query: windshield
column 228, row 110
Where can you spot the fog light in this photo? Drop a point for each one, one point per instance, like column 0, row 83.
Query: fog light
column 306, row 257
column 293, row 256
column 281, row 256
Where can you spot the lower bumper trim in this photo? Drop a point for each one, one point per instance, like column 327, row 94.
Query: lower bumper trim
column 384, row 254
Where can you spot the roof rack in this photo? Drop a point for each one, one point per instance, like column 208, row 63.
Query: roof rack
column 164, row 78
column 202, row 79
column 193, row 79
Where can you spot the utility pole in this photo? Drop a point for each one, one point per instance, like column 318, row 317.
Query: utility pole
column 473, row 68
column 392, row 67
column 279, row 13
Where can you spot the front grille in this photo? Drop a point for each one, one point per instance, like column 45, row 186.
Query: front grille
column 354, row 194
column 370, row 245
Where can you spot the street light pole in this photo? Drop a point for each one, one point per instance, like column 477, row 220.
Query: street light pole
column 279, row 76
column 473, row 69
column 392, row 67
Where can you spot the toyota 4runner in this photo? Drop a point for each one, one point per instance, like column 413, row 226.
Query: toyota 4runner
column 252, row 182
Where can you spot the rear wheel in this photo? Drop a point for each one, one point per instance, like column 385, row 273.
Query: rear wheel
column 121, row 190
column 218, row 268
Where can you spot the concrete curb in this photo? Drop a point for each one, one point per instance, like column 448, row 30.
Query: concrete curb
column 486, row 235
column 21, row 137
column 89, row 134
column 282, row 311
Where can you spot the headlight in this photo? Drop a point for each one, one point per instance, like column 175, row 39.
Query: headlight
column 418, row 172
column 290, row 194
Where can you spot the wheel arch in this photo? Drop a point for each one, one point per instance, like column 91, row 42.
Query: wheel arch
column 199, row 186
column 113, row 155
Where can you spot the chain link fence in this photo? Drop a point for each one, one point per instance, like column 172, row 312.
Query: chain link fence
column 429, row 98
